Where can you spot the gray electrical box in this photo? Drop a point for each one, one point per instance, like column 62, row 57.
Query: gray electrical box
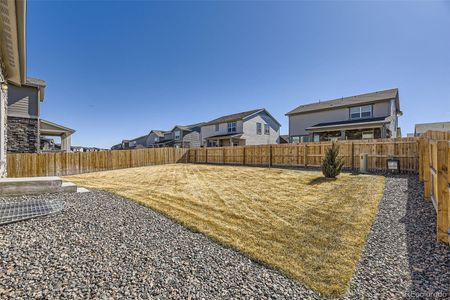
column 363, row 162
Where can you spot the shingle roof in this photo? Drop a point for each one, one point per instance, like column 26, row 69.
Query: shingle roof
column 188, row 127
column 233, row 117
column 159, row 133
column 346, row 101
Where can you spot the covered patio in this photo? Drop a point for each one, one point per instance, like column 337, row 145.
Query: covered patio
column 373, row 128
column 224, row 140
column 48, row 128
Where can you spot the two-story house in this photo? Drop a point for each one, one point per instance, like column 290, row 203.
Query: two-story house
column 187, row 136
column 253, row 127
column 366, row 116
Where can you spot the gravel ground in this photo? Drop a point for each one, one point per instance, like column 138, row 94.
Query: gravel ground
column 104, row 246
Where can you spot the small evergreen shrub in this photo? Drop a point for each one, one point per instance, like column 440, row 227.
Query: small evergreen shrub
column 332, row 164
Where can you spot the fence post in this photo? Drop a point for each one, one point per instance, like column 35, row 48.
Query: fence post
column 305, row 155
column 270, row 155
column 206, row 155
column 223, row 155
column 352, row 153
column 243, row 155
column 442, row 191
column 426, row 170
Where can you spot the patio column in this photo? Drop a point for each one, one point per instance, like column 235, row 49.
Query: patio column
column 3, row 124
column 231, row 142
column 65, row 143
column 342, row 135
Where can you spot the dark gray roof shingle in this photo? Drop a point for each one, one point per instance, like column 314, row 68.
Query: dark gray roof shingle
column 233, row 117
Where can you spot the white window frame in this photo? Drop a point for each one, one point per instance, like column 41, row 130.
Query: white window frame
column 359, row 110
column 177, row 134
column 266, row 129
column 217, row 127
column 231, row 127
column 258, row 128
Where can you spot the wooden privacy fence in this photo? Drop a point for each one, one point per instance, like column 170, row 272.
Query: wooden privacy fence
column 61, row 163
column 311, row 154
column 434, row 149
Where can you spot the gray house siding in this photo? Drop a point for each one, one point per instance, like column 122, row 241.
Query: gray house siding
column 23, row 102
column 192, row 139
column 299, row 122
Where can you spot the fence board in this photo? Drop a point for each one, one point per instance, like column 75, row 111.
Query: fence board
column 311, row 154
column 62, row 163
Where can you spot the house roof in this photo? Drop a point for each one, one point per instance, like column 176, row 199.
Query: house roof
column 36, row 82
column 224, row 135
column 437, row 126
column 349, row 122
column 233, row 117
column 52, row 129
column 159, row 133
column 188, row 127
column 239, row 116
column 285, row 137
column 348, row 101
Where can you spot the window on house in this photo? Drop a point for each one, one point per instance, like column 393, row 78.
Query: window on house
column 367, row 134
column 217, row 127
column 266, row 129
column 232, row 127
column 177, row 135
column 258, row 128
column 360, row 112
column 156, row 139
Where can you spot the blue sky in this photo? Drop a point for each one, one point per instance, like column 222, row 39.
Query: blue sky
column 116, row 70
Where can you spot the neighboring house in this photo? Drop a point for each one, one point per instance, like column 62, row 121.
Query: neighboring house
column 138, row 143
column 154, row 137
column 253, row 127
column 366, row 116
column 420, row 129
column 187, row 136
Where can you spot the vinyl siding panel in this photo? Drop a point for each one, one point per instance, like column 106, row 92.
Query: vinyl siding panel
column 23, row 102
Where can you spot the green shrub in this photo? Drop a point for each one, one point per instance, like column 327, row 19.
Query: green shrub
column 332, row 164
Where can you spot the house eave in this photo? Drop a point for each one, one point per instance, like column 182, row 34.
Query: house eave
column 13, row 46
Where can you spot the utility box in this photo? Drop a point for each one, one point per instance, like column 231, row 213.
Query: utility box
column 363, row 162
column 393, row 165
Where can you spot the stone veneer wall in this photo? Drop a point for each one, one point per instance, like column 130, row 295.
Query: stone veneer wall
column 23, row 135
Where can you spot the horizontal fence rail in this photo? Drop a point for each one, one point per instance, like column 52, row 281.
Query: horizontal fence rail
column 311, row 154
column 62, row 163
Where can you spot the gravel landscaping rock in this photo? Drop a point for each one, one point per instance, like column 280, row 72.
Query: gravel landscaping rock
column 104, row 246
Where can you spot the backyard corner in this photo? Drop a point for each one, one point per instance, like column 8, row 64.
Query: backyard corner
column 311, row 229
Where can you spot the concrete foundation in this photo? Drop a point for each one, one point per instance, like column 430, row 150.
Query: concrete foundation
column 35, row 185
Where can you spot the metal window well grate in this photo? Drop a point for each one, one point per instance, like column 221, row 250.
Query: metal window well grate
column 22, row 210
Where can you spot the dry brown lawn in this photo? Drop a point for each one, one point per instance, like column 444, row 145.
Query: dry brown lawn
column 312, row 229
